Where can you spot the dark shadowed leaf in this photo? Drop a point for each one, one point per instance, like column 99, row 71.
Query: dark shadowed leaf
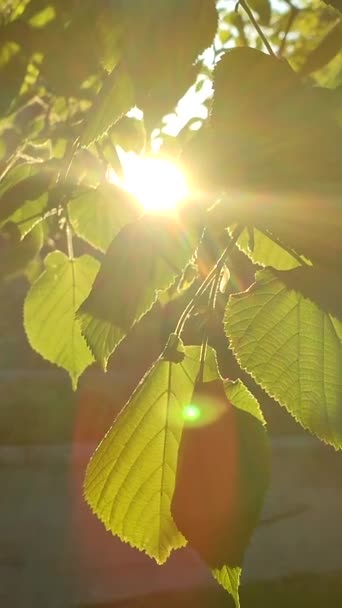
column 162, row 44
column 321, row 286
column 145, row 257
column 267, row 131
column 327, row 49
column 222, row 473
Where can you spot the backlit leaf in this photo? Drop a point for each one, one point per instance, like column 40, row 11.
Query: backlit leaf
column 130, row 479
column 293, row 350
column 265, row 251
column 114, row 100
column 49, row 312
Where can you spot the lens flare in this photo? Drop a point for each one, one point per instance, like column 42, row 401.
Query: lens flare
column 158, row 184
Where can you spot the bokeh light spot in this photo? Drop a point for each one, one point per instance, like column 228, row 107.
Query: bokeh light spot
column 191, row 413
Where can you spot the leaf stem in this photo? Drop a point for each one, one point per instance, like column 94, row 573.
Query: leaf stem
column 69, row 241
column 207, row 281
column 211, row 305
column 256, row 26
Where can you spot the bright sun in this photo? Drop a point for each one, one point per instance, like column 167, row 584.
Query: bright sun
column 158, row 184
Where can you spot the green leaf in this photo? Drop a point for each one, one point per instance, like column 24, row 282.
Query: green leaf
column 326, row 50
column 115, row 99
column 263, row 9
column 293, row 350
column 50, row 307
column 222, row 474
column 16, row 174
column 145, row 257
column 97, row 215
column 321, row 285
column 130, row 479
column 23, row 184
column 265, row 251
column 162, row 45
column 30, row 214
column 229, row 579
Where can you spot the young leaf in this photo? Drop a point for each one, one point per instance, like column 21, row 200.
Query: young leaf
column 222, row 474
column 162, row 45
column 50, row 307
column 115, row 99
column 293, row 350
column 97, row 215
column 229, row 579
column 144, row 258
column 266, row 252
column 130, row 478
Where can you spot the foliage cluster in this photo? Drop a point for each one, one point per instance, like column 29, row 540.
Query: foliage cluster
column 266, row 166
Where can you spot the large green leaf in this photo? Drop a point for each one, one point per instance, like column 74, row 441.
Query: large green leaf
column 293, row 350
column 145, row 257
column 97, row 215
column 50, row 307
column 130, row 479
column 115, row 99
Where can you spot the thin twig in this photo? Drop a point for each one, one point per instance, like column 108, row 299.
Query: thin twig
column 256, row 26
column 207, row 281
column 293, row 14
